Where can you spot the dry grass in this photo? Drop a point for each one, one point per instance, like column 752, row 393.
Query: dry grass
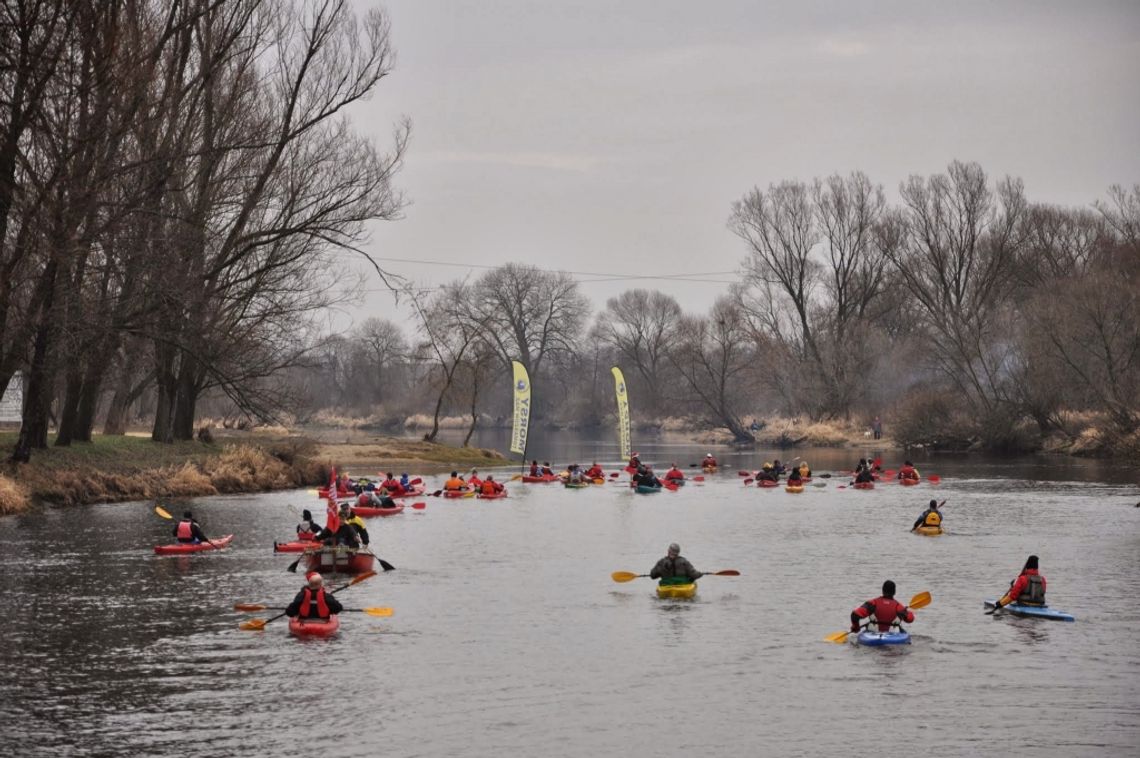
column 245, row 468
column 13, row 497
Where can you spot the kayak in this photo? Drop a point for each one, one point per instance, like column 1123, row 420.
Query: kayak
column 863, row 485
column 296, row 546
column 909, row 482
column 880, row 639
column 709, row 469
column 367, row 510
column 766, row 483
column 794, row 488
column 528, row 479
column 179, row 548
column 1033, row 611
column 674, row 591
column 645, row 489
column 455, row 494
column 339, row 560
column 314, row 627
column 577, row 485
column 929, row 531
column 493, row 496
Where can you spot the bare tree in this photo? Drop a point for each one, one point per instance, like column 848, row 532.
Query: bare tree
column 641, row 326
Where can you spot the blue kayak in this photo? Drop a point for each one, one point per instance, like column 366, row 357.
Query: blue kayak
column 1033, row 611
column 879, row 639
column 644, row 489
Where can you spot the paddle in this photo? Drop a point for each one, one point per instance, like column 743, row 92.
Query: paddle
column 934, row 478
column 166, row 515
column 615, row 475
column 698, row 478
column 748, row 482
column 256, row 625
column 669, row 485
column 744, row 473
column 252, row 607
column 921, row 600
column 629, row 576
column 516, row 478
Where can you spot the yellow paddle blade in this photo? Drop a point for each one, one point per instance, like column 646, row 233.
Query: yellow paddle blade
column 921, row 600
column 378, row 611
column 248, row 607
column 253, row 625
column 516, row 477
column 836, row 637
column 162, row 512
column 623, row 576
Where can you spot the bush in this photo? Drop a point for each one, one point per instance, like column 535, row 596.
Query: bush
column 13, row 497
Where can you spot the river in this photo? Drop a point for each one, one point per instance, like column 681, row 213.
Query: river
column 510, row 638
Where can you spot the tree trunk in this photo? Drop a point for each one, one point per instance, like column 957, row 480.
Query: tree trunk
column 40, row 383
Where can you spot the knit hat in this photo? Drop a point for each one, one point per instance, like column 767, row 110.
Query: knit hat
column 888, row 588
column 675, row 548
column 313, row 577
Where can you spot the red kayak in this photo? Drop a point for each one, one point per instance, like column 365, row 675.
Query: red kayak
column 766, row 483
column 179, row 548
column 340, row 560
column 297, row 546
column 364, row 510
column 453, row 494
column 314, row 627
column 528, row 479
column 492, row 496
column 909, row 482
column 863, row 485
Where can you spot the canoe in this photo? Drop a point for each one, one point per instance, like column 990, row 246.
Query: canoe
column 528, row 479
column 180, row 548
column 880, row 639
column 863, row 485
column 314, row 627
column 929, row 531
column 455, row 494
column 495, row 496
column 766, row 483
column 675, row 591
column 794, row 488
column 367, row 510
column 339, row 560
column 1033, row 611
column 909, row 482
column 296, row 546
column 646, row 489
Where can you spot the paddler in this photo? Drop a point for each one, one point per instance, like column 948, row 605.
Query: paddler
column 188, row 530
column 1028, row 588
column 767, row 473
column 794, row 477
column 490, row 486
column 574, row 474
column 709, row 461
column 546, row 470
column 307, row 530
column 634, row 461
column 887, row 610
column 474, row 481
column 405, row 482
column 379, row 500
column 534, row 470
column 930, row 517
column 455, row 484
column 345, row 533
column 674, row 474
column 595, row 471
column 312, row 601
column 348, row 516
column 805, row 470
column 392, row 484
column 647, row 478
column 908, row 471
column 674, row 569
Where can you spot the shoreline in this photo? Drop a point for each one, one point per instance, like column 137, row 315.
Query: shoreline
column 132, row 467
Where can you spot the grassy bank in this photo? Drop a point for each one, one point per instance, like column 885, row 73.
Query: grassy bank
column 113, row 469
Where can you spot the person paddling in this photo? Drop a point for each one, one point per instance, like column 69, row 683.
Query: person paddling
column 794, row 478
column 709, row 461
column 930, row 517
column 455, row 484
column 307, row 530
column 312, row 602
column 490, row 486
column 674, row 569
column 1028, row 588
column 887, row 610
column 188, row 530
column 534, row 469
column 674, row 474
column 474, row 481
column 546, row 469
column 908, row 472
column 595, row 471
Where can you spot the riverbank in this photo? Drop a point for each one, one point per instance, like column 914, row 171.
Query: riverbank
column 132, row 467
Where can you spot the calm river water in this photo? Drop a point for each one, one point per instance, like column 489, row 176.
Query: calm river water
column 510, row 639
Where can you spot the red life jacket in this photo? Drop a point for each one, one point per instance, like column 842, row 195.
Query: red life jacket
column 490, row 488
column 185, row 531
column 365, row 499
column 674, row 473
column 307, row 604
column 886, row 610
column 305, row 536
column 594, row 472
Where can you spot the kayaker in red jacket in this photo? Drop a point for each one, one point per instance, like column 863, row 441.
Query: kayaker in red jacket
column 674, row 569
column 546, row 470
column 188, row 530
column 794, row 477
column 313, row 601
column 709, row 461
column 674, row 473
column 595, row 471
column 392, row 484
column 887, row 610
column 1028, row 588
column 534, row 470
column 908, row 471
column 490, row 486
column 474, row 481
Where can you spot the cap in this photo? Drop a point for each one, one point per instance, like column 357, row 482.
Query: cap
column 708, row 455
column 314, row 578
column 675, row 548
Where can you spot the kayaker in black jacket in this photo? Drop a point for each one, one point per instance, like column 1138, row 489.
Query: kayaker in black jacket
column 188, row 530
column 673, row 569
column 346, row 534
column 313, row 601
column 930, row 517
column 307, row 529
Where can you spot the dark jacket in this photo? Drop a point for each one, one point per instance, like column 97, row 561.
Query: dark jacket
column 667, row 568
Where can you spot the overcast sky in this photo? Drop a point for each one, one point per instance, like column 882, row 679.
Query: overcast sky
column 611, row 138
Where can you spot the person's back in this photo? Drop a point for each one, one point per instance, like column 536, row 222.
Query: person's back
column 930, row 517
column 188, row 530
column 534, row 469
column 1028, row 588
column 794, row 476
column 886, row 610
column 674, row 568
column 454, row 484
column 863, row 476
column 313, row 601
column 307, row 530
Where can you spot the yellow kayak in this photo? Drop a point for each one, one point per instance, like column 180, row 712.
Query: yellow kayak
column 929, row 531
column 677, row 590
column 794, row 488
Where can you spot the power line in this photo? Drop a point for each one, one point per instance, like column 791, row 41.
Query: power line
column 686, row 277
